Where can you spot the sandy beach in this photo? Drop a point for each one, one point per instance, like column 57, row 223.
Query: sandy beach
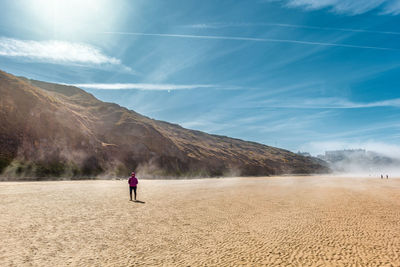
column 296, row 221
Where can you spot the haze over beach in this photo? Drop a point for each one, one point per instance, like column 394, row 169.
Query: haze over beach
column 260, row 133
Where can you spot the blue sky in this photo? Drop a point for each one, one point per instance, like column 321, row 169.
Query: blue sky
column 298, row 74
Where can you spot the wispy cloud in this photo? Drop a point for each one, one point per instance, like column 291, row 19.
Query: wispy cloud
column 329, row 103
column 55, row 51
column 392, row 8
column 252, row 39
column 349, row 7
column 142, row 86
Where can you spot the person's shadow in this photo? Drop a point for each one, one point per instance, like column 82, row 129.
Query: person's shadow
column 139, row 201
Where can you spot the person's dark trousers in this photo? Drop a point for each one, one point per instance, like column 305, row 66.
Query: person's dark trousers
column 130, row 191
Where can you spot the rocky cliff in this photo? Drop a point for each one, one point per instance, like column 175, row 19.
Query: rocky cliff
column 52, row 130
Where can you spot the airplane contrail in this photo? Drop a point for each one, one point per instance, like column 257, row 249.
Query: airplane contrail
column 332, row 28
column 299, row 26
column 253, row 39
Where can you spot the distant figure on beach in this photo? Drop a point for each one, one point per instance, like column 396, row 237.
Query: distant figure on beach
column 381, row 176
column 133, row 181
column 387, row 176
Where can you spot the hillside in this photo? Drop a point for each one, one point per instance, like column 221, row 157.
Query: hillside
column 53, row 130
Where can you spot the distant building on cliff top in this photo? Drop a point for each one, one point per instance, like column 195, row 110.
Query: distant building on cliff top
column 339, row 155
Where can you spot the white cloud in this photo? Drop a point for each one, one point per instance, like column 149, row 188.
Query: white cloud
column 55, row 51
column 350, row 7
column 142, row 86
column 206, row 26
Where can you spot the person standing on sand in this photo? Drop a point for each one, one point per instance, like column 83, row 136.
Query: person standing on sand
column 133, row 181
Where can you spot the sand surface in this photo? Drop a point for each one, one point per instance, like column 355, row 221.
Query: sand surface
column 288, row 221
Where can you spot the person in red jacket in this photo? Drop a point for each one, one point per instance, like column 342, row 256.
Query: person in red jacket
column 133, row 181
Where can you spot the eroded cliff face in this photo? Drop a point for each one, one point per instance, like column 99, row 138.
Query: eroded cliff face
column 52, row 130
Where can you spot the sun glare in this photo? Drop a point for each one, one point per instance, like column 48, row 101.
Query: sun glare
column 72, row 18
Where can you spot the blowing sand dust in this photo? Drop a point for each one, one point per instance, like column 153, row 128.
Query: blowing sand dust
column 288, row 221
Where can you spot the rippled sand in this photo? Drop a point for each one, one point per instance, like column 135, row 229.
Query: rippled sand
column 252, row 221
